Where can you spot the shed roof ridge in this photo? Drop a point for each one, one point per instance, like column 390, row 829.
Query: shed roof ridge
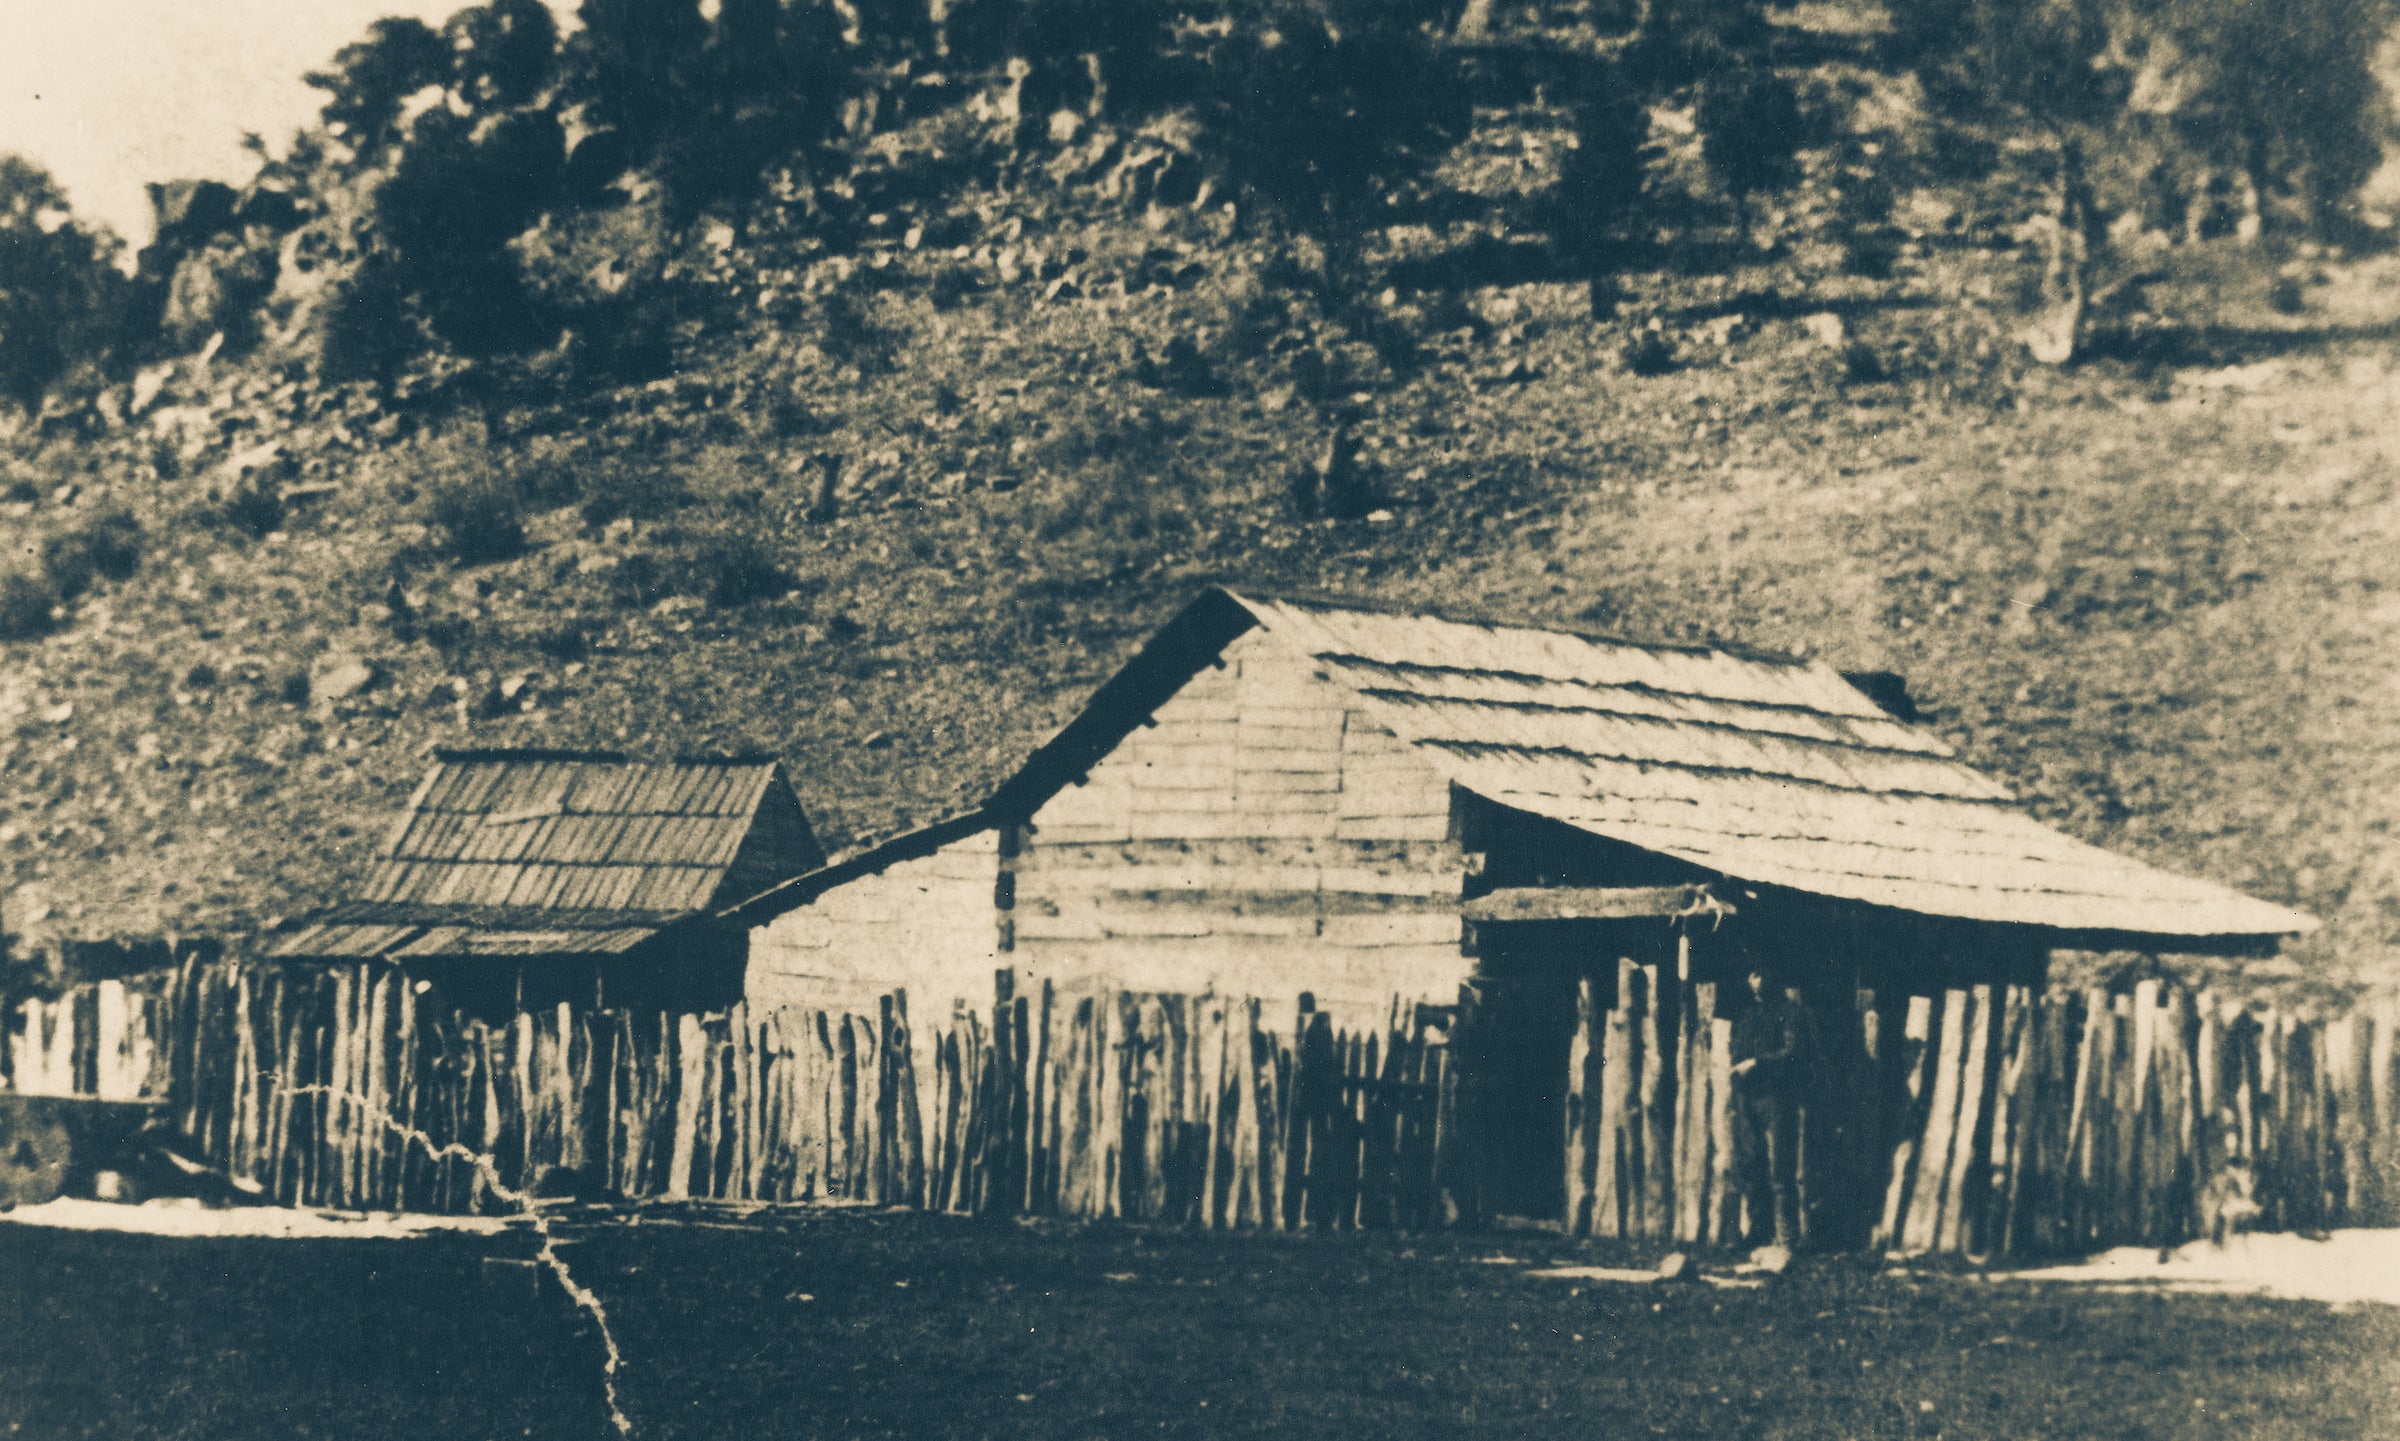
column 1321, row 601
column 2003, row 801
column 553, row 810
column 1406, row 697
column 1636, row 686
column 571, row 755
column 674, row 863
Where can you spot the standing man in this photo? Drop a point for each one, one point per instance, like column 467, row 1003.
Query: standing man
column 1772, row 1062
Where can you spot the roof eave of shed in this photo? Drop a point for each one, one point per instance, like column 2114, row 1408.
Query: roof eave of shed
column 800, row 890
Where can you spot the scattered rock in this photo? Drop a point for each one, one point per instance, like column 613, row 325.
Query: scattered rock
column 1826, row 329
column 257, row 460
column 147, row 384
column 338, row 675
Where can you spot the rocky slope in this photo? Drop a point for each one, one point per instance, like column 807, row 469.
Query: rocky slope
column 2153, row 592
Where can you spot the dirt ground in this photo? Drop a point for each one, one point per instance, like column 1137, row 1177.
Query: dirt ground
column 865, row 1326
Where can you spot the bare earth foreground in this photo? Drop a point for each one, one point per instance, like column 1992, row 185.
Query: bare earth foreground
column 879, row 1325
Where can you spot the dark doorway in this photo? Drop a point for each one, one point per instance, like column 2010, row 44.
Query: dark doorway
column 1515, row 1052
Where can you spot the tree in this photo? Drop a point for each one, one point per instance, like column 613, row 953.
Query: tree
column 61, row 296
column 1749, row 119
column 2284, row 96
column 1680, row 41
column 765, row 86
column 371, row 79
column 711, row 100
column 461, row 190
column 2052, row 67
column 1603, row 181
column 1320, row 110
column 502, row 54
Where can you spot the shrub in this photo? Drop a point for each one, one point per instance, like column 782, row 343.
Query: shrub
column 734, row 568
column 1750, row 127
column 481, row 518
column 108, row 545
column 566, row 640
column 25, row 602
column 617, row 489
column 255, row 508
column 1649, row 353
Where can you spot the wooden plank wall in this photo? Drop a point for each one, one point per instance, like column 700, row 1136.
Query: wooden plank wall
column 928, row 926
column 1263, row 836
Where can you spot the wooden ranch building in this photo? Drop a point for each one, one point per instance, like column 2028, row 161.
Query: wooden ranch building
column 1285, row 796
column 535, row 876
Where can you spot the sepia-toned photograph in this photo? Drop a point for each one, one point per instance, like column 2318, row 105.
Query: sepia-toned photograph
column 1042, row 720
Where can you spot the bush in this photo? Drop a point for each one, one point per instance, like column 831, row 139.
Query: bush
column 566, row 640
column 1322, row 110
column 734, row 568
column 615, row 490
column 25, row 602
column 255, row 508
column 1649, row 353
column 1750, row 127
column 481, row 519
column 107, row 545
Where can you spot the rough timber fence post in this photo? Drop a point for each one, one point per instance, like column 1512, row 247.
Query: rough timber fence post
column 1696, row 1061
column 1316, row 1090
column 1906, row 1122
column 2278, row 1151
column 1657, row 1108
column 1973, row 1084
column 2350, row 1079
column 2173, row 1213
column 1011, row 1138
column 2383, row 1125
column 1613, row 1186
column 1922, row 1228
column 1582, row 1095
column 1273, row 1072
column 2026, row 1102
column 1299, row 1117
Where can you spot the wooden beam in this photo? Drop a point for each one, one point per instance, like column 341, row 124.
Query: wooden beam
column 1591, row 903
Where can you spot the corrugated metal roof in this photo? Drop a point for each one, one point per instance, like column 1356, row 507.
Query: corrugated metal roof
column 1775, row 772
column 507, row 853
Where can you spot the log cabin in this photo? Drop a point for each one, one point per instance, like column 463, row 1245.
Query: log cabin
column 520, row 877
column 1278, row 797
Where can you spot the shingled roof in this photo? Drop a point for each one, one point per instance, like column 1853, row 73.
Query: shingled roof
column 1771, row 771
column 533, row 852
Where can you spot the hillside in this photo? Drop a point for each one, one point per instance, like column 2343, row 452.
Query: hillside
column 2155, row 592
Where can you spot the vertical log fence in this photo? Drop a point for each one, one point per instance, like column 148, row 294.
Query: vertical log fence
column 1986, row 1120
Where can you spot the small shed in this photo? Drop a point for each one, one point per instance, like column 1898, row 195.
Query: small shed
column 1278, row 796
column 534, row 876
